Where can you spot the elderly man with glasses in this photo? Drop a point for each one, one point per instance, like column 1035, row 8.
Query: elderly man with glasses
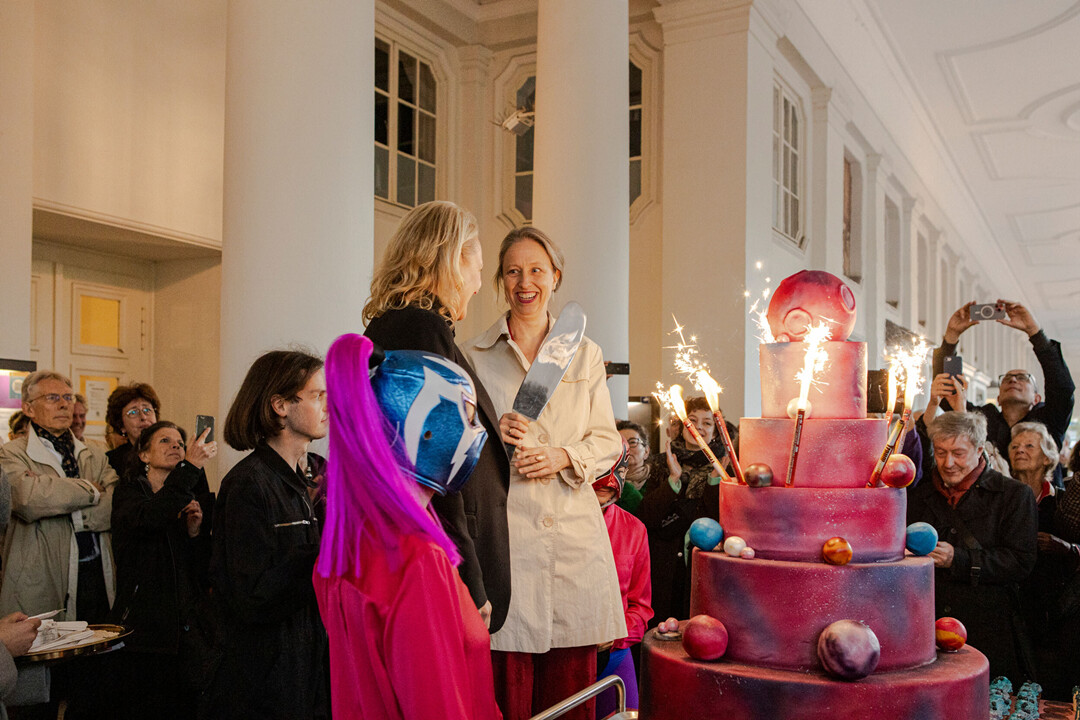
column 1019, row 399
column 56, row 551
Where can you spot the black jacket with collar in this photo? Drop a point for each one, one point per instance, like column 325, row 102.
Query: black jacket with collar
column 475, row 518
column 1000, row 514
column 266, row 537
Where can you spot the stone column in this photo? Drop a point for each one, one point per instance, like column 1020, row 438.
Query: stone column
column 298, row 208
column 581, row 193
column 17, row 174
column 826, row 228
column 717, row 180
column 873, row 298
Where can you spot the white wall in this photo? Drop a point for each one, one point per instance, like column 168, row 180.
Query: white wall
column 129, row 113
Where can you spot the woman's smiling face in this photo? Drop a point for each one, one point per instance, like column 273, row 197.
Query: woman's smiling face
column 529, row 279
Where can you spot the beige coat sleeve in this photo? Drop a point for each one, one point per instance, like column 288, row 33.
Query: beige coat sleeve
column 601, row 443
column 37, row 491
column 99, row 517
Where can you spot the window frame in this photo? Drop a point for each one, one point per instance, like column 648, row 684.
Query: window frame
column 782, row 91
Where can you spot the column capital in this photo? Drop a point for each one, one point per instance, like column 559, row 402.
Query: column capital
column 912, row 206
column 878, row 164
column 474, row 60
column 686, row 20
column 830, row 103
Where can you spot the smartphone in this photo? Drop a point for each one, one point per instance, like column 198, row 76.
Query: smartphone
column 201, row 423
column 953, row 365
column 877, row 391
column 987, row 311
column 614, row 368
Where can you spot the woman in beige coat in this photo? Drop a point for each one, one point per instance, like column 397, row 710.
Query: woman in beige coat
column 565, row 591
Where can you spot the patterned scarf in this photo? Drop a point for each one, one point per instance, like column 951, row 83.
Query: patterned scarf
column 63, row 444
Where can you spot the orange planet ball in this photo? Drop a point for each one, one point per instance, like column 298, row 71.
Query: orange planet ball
column 950, row 634
column 836, row 551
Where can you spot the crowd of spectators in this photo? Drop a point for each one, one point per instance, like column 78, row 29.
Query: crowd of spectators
column 219, row 589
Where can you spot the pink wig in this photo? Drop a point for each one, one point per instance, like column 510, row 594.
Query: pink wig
column 367, row 494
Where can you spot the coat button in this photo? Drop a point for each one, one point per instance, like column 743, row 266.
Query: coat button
column 548, row 521
column 543, row 438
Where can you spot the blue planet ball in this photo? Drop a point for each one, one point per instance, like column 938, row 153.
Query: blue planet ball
column 921, row 538
column 706, row 533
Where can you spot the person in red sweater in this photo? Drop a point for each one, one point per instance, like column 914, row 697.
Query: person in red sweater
column 406, row 639
column 630, row 546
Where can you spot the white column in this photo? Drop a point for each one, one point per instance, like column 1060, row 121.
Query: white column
column 298, row 211
column 581, row 193
column 874, row 268
column 826, row 231
column 909, row 296
column 16, row 174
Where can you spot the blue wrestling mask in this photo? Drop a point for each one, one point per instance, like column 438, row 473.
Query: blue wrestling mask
column 431, row 406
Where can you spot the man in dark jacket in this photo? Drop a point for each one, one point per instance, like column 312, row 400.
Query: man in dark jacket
column 987, row 524
column 1018, row 396
column 266, row 539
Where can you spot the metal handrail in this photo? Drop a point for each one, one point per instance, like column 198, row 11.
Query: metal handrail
column 585, row 695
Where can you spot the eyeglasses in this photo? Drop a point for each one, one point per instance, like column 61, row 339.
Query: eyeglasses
column 134, row 412
column 635, row 442
column 54, row 398
column 1022, row 376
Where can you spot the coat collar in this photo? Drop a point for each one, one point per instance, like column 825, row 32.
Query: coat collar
column 39, row 452
column 277, row 463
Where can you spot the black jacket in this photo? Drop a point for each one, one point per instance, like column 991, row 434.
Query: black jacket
column 475, row 518
column 266, row 539
column 159, row 569
column 1000, row 514
column 1055, row 412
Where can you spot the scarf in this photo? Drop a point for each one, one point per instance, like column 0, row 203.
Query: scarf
column 954, row 493
column 63, row 444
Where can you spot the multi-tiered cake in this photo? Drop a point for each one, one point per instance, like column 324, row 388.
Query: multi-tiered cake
column 776, row 605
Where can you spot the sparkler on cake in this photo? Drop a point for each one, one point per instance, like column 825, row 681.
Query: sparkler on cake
column 672, row 397
column 910, row 364
column 813, row 363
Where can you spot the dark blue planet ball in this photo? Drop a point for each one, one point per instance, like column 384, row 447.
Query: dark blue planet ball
column 706, row 533
column 921, row 538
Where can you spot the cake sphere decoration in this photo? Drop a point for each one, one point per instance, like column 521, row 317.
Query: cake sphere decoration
column 793, row 408
column 848, row 649
column 758, row 475
column 836, row 551
column 706, row 534
column 705, row 638
column 899, row 471
column 950, row 634
column 734, row 546
column 808, row 298
column 747, row 553
column 921, row 538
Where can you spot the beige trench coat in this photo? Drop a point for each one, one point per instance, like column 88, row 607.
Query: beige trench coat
column 564, row 587
column 40, row 556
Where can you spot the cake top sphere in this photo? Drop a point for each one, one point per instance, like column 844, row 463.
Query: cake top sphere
column 807, row 298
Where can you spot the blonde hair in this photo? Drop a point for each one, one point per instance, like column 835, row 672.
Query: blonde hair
column 422, row 263
column 528, row 233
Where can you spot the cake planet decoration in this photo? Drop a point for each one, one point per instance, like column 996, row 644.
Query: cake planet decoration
column 912, row 364
column 807, row 299
column 949, row 634
column 813, row 363
column 705, row 533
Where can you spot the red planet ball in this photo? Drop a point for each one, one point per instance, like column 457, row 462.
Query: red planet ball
column 899, row 471
column 950, row 634
column 705, row 638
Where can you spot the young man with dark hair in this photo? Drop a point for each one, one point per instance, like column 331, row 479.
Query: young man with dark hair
column 265, row 541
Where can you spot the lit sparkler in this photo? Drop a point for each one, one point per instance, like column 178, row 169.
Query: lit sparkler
column 911, row 364
column 813, row 362
column 705, row 383
column 672, row 397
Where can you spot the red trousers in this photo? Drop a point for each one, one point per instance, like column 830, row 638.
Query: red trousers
column 526, row 683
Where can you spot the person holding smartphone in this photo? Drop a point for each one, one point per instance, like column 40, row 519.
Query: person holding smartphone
column 1019, row 399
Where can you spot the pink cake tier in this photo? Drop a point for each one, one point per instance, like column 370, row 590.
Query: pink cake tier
column 840, row 390
column 675, row 687
column 793, row 523
column 833, row 453
column 774, row 610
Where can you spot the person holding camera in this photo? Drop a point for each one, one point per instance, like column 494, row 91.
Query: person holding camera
column 1018, row 394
